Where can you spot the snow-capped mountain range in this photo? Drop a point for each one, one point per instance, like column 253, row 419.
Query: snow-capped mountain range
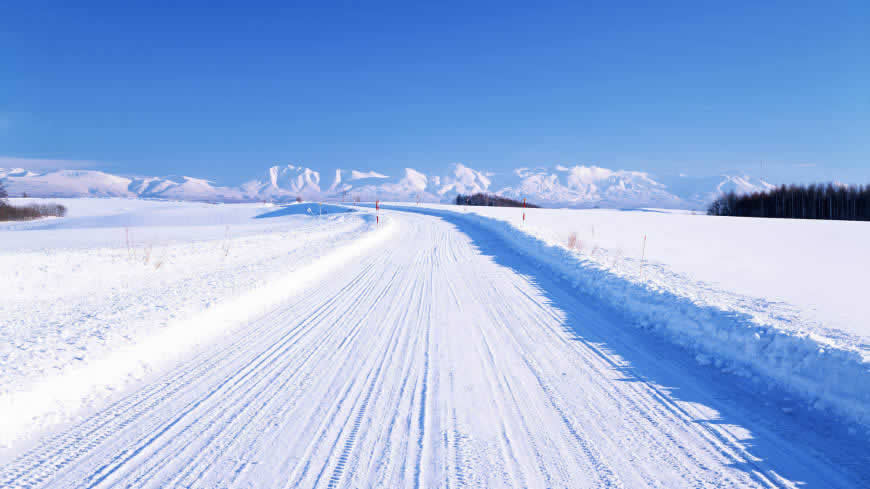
column 559, row 186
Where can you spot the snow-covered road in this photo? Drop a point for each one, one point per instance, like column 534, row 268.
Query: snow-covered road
column 444, row 359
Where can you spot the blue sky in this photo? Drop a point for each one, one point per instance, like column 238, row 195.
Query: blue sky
column 222, row 92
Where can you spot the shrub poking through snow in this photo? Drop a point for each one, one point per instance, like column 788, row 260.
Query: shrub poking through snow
column 30, row 212
column 9, row 212
column 225, row 246
column 129, row 245
column 572, row 241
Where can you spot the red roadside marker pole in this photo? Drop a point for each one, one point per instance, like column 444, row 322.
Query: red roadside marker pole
column 377, row 212
column 524, row 211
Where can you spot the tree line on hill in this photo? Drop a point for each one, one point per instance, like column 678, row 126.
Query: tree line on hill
column 9, row 212
column 489, row 200
column 840, row 202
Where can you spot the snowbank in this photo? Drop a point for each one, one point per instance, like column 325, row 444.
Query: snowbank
column 759, row 338
column 815, row 268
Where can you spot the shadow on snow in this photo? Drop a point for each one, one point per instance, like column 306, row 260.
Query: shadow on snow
column 782, row 434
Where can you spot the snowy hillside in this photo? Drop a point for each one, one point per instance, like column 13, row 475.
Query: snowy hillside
column 706, row 189
column 66, row 183
column 285, row 183
column 583, row 186
column 560, row 186
column 92, row 183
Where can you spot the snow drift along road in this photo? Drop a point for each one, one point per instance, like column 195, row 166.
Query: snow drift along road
column 444, row 359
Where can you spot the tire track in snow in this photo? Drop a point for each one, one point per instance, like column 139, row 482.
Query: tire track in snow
column 645, row 407
column 282, row 387
column 227, row 387
column 599, row 377
column 155, row 397
column 350, row 441
column 334, row 409
column 596, row 378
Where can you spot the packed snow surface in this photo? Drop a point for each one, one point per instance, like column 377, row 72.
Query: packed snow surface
column 431, row 350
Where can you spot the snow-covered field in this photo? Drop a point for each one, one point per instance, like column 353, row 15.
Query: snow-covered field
column 163, row 344
column 815, row 268
column 102, row 297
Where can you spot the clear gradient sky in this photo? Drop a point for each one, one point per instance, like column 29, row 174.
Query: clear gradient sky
column 222, row 90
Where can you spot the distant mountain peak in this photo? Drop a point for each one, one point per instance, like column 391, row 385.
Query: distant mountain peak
column 557, row 186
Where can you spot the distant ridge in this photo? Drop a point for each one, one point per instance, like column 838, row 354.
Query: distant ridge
column 560, row 186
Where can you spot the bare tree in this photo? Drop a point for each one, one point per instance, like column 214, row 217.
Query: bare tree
column 3, row 193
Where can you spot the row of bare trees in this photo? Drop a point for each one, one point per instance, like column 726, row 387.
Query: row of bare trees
column 841, row 202
column 489, row 200
column 9, row 212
